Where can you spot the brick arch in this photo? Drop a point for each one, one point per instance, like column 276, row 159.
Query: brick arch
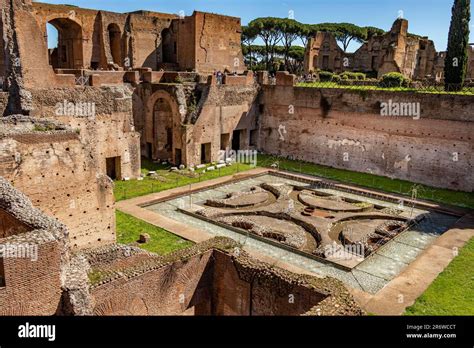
column 115, row 43
column 157, row 128
column 70, row 52
column 121, row 306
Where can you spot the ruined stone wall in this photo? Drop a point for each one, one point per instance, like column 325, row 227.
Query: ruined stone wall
column 28, row 48
column 3, row 102
column 323, row 53
column 217, row 43
column 241, row 291
column 225, row 109
column 33, row 287
column 186, row 44
column 345, row 129
column 216, row 110
column 470, row 67
column 32, row 257
column 89, row 23
column 60, row 178
column 394, row 51
column 10, row 226
column 146, row 116
column 108, row 133
column 207, row 279
column 103, row 47
column 168, row 290
column 146, row 41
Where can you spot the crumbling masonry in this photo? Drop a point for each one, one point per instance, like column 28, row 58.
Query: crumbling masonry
column 122, row 86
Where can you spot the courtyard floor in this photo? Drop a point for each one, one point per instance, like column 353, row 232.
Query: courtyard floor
column 389, row 281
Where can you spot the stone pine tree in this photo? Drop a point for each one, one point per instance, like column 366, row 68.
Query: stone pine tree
column 458, row 43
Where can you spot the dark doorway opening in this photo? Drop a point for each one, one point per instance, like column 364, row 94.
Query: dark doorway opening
column 236, row 140
column 205, row 153
column 113, row 168
column 325, row 62
column 149, row 150
column 373, row 63
column 163, row 130
column 177, row 157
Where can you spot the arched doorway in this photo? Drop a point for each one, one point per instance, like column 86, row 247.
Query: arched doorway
column 115, row 41
column 163, row 129
column 67, row 53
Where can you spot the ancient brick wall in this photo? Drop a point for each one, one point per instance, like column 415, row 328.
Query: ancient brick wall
column 236, row 292
column 206, row 284
column 203, row 281
column 60, row 178
column 3, row 67
column 109, row 133
column 226, row 109
column 169, row 290
column 33, row 252
column 345, row 129
column 32, row 287
column 218, row 110
column 323, row 53
column 146, row 41
column 10, row 226
column 216, row 44
column 394, row 51
column 186, row 44
column 62, row 16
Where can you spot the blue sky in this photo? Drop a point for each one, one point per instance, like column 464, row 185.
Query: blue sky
column 426, row 17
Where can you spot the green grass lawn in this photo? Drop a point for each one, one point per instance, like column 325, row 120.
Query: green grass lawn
column 136, row 188
column 452, row 293
column 428, row 89
column 162, row 242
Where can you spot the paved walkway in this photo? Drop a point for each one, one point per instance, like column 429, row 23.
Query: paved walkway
column 399, row 293
column 134, row 206
column 412, row 282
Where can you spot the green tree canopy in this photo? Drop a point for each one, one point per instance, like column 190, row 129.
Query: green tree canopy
column 456, row 62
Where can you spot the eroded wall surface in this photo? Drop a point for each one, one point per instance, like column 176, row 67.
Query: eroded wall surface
column 34, row 249
column 218, row 43
column 199, row 115
column 211, row 281
column 107, row 132
column 60, row 178
column 344, row 129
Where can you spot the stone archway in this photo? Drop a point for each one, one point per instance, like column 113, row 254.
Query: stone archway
column 115, row 43
column 69, row 52
column 163, row 128
column 121, row 306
